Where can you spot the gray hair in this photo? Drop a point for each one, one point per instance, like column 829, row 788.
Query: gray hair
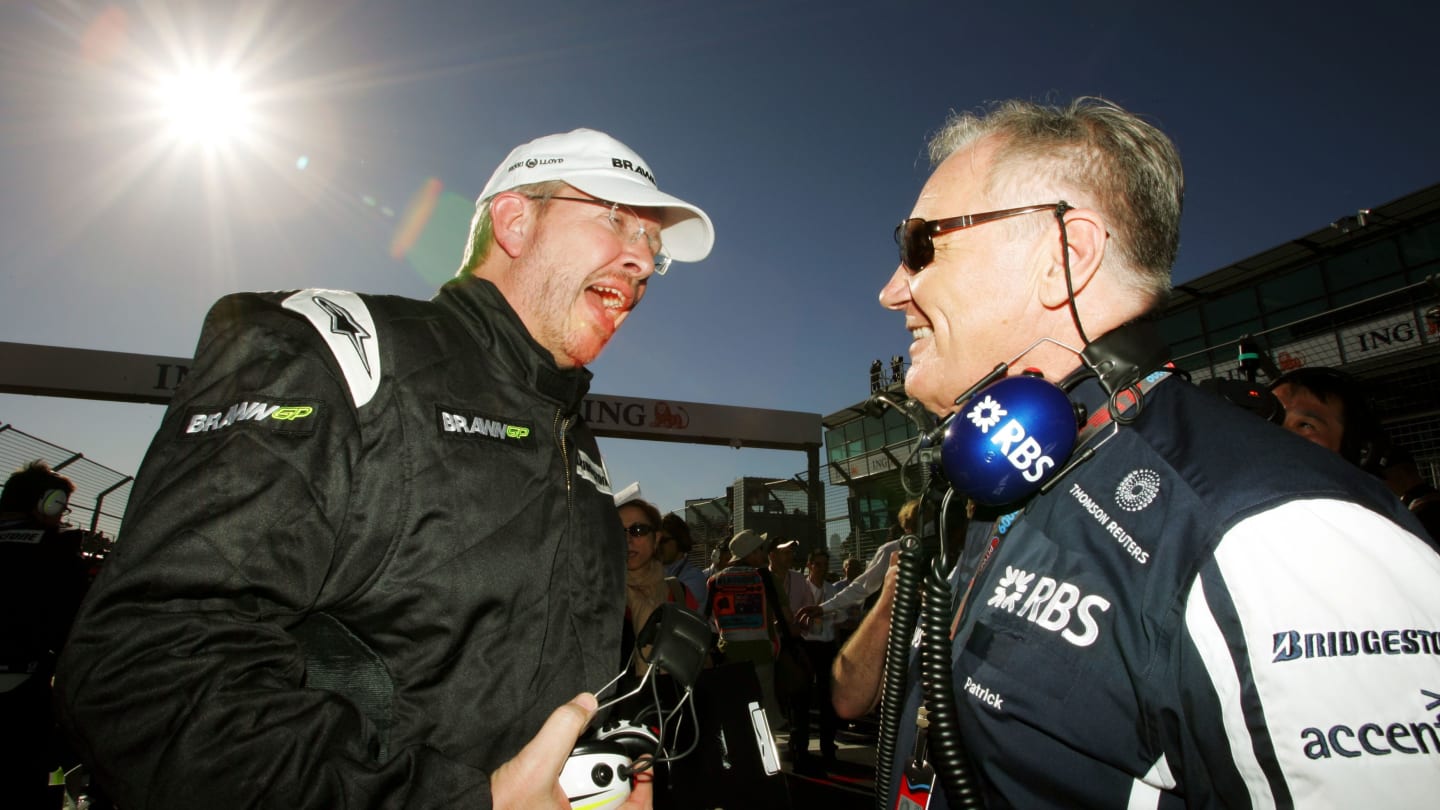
column 1091, row 147
column 482, row 229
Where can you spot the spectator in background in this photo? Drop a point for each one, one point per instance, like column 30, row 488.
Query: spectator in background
column 818, row 641
column 1423, row 501
column 646, row 585
column 675, row 545
column 744, row 608
column 849, row 618
column 1327, row 406
column 646, row 589
column 788, row 581
column 720, row 559
column 867, row 584
column 42, row 580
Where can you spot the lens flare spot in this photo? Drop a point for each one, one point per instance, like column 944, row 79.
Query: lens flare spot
column 417, row 214
column 302, row 162
column 436, row 253
column 105, row 37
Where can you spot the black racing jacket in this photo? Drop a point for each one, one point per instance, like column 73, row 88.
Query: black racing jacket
column 371, row 548
column 1210, row 612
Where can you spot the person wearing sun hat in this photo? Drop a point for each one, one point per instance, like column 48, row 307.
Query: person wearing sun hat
column 743, row 608
column 381, row 526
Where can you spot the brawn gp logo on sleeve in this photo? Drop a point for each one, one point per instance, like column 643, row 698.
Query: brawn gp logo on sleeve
column 290, row 417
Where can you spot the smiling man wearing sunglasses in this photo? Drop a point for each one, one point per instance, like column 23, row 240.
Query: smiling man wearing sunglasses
column 373, row 546
column 1195, row 608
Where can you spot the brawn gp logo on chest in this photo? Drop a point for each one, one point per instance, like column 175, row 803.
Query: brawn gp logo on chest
column 462, row 424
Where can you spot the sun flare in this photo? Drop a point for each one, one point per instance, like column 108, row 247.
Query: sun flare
column 207, row 108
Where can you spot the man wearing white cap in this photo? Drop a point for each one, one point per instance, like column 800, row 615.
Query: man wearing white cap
column 373, row 545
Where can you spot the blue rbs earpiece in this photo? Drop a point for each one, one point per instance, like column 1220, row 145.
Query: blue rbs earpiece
column 1005, row 441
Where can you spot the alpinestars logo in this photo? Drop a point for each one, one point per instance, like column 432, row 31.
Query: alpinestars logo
column 1137, row 490
column 344, row 324
column 986, row 415
column 1053, row 605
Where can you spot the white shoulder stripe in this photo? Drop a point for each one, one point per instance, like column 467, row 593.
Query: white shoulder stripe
column 1325, row 592
column 1215, row 652
column 349, row 330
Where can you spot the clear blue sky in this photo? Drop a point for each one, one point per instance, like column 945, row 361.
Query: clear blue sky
column 798, row 125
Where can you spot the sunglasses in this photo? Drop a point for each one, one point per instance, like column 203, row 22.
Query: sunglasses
column 916, row 237
column 639, row 529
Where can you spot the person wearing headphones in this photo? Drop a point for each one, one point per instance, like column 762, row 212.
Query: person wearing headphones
column 1326, row 406
column 373, row 546
column 1189, row 609
column 42, row 580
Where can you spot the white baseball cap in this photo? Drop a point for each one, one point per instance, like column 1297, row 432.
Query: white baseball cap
column 601, row 166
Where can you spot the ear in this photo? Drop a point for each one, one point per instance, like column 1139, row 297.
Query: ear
column 512, row 219
column 1086, row 234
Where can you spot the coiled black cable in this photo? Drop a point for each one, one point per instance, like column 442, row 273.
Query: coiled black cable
column 945, row 750
column 904, row 616
column 937, row 680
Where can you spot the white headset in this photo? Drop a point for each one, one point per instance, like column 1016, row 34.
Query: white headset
column 54, row 502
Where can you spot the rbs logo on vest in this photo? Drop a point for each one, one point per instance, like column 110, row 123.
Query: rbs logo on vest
column 1053, row 605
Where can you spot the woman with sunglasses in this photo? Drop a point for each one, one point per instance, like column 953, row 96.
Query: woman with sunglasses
column 646, row 586
column 646, row 589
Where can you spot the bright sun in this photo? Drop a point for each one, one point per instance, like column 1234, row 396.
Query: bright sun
column 206, row 108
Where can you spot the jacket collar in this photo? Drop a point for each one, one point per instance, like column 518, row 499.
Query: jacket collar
column 496, row 326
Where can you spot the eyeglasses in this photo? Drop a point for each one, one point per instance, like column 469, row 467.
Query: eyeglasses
column 627, row 226
column 639, row 529
column 916, row 236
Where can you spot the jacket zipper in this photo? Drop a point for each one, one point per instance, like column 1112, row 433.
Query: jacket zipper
column 562, row 427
